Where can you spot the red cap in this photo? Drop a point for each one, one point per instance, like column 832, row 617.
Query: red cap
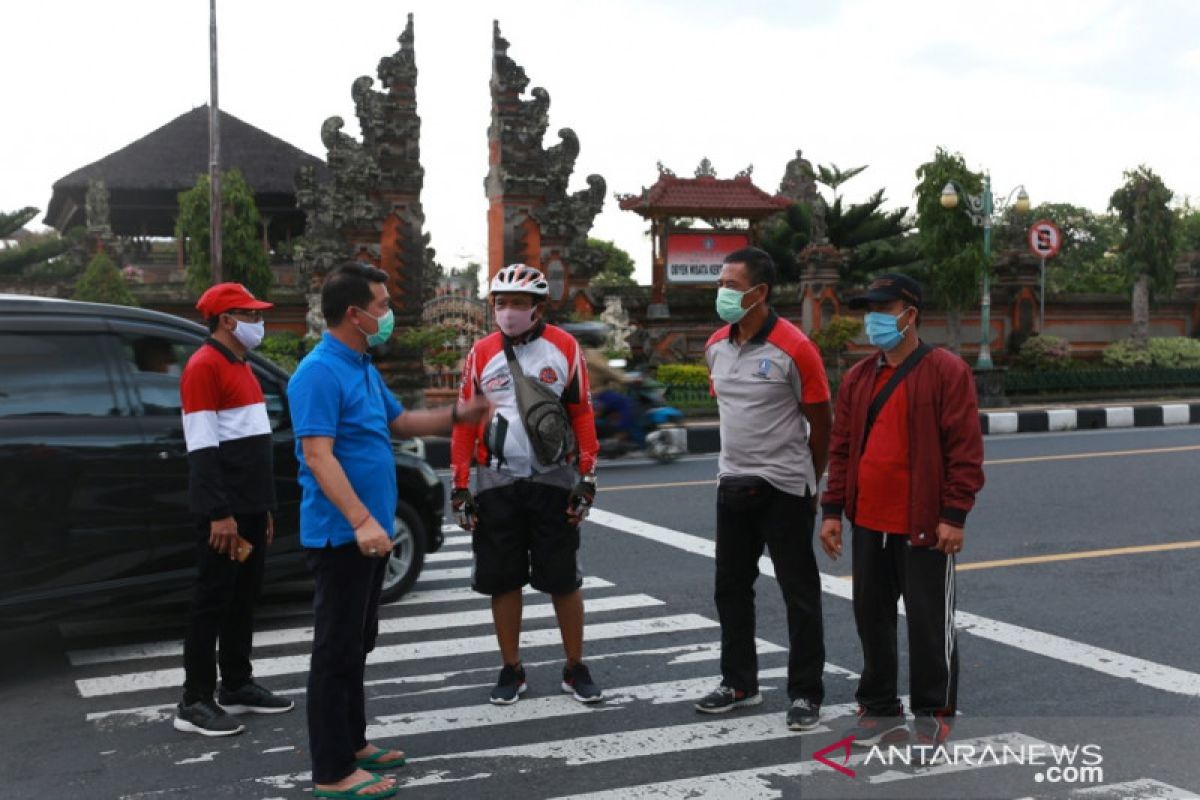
column 226, row 297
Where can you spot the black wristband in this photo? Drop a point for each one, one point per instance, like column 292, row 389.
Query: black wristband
column 454, row 414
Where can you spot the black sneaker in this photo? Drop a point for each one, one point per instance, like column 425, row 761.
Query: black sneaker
column 577, row 682
column 879, row 729
column 726, row 698
column 253, row 699
column 510, row 687
column 206, row 718
column 804, row 715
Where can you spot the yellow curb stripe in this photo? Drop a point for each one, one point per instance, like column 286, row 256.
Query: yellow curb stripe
column 1103, row 454
column 628, row 487
column 1076, row 556
column 993, row 462
column 1112, row 551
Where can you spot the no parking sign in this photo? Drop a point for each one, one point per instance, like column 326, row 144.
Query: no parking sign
column 1045, row 239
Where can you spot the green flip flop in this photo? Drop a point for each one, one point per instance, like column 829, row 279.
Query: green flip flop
column 377, row 761
column 353, row 793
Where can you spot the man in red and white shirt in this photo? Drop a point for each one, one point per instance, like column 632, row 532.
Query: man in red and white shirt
column 231, row 488
column 525, row 513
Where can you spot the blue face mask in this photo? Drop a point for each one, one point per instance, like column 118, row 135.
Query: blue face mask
column 882, row 331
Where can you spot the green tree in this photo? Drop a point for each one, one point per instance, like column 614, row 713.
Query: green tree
column 949, row 242
column 102, row 283
column 1088, row 259
column 1189, row 227
column 1149, row 243
column 468, row 276
column 243, row 258
column 436, row 343
column 33, row 253
column 784, row 236
column 835, row 336
column 617, row 269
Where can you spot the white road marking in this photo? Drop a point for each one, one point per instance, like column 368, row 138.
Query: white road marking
column 644, row 742
column 200, row 759
column 459, row 593
column 754, row 783
column 599, row 748
column 409, row 651
column 683, row 654
column 425, row 622
column 1142, row 789
column 1098, row 659
column 452, row 574
column 443, row 556
column 479, row 715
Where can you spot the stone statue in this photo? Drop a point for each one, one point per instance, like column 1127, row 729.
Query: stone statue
column 617, row 319
column 521, row 167
column 799, row 184
column 370, row 204
column 96, row 213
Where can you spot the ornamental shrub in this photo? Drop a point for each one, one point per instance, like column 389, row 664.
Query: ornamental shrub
column 1168, row 352
column 683, row 374
column 1044, row 353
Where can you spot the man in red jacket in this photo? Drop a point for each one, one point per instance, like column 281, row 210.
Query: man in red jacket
column 905, row 464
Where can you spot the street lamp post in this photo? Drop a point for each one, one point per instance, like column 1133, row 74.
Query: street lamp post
column 981, row 210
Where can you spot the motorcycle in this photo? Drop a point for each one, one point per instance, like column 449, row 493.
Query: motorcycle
column 631, row 411
column 639, row 419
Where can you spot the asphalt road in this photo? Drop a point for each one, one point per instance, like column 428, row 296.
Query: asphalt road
column 1077, row 599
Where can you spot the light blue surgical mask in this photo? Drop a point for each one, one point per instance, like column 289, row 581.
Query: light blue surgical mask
column 729, row 304
column 882, row 331
column 387, row 324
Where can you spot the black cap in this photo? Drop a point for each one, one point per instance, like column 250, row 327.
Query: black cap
column 889, row 287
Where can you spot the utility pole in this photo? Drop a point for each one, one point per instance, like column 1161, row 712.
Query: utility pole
column 214, row 149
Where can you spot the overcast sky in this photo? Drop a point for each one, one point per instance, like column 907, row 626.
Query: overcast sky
column 1057, row 94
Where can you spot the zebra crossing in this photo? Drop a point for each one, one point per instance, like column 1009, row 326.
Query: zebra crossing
column 427, row 685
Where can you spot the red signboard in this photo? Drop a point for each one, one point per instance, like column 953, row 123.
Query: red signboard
column 696, row 256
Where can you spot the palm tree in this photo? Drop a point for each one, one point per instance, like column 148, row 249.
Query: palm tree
column 874, row 240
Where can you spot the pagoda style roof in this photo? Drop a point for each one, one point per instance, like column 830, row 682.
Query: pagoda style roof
column 705, row 196
column 145, row 177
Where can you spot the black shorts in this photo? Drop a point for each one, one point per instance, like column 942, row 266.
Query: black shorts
column 524, row 537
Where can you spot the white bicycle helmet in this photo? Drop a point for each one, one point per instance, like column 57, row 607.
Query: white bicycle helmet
column 520, row 279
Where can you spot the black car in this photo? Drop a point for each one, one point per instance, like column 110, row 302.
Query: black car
column 93, row 465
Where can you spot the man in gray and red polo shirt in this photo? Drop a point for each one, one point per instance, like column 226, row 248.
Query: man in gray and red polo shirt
column 904, row 467
column 773, row 398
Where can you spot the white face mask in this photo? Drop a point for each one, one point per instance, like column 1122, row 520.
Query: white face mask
column 514, row 321
column 250, row 334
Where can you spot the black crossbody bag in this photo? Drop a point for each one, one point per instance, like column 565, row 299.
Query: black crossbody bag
column 906, row 366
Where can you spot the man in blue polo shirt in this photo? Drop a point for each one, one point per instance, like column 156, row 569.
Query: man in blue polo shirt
column 344, row 417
